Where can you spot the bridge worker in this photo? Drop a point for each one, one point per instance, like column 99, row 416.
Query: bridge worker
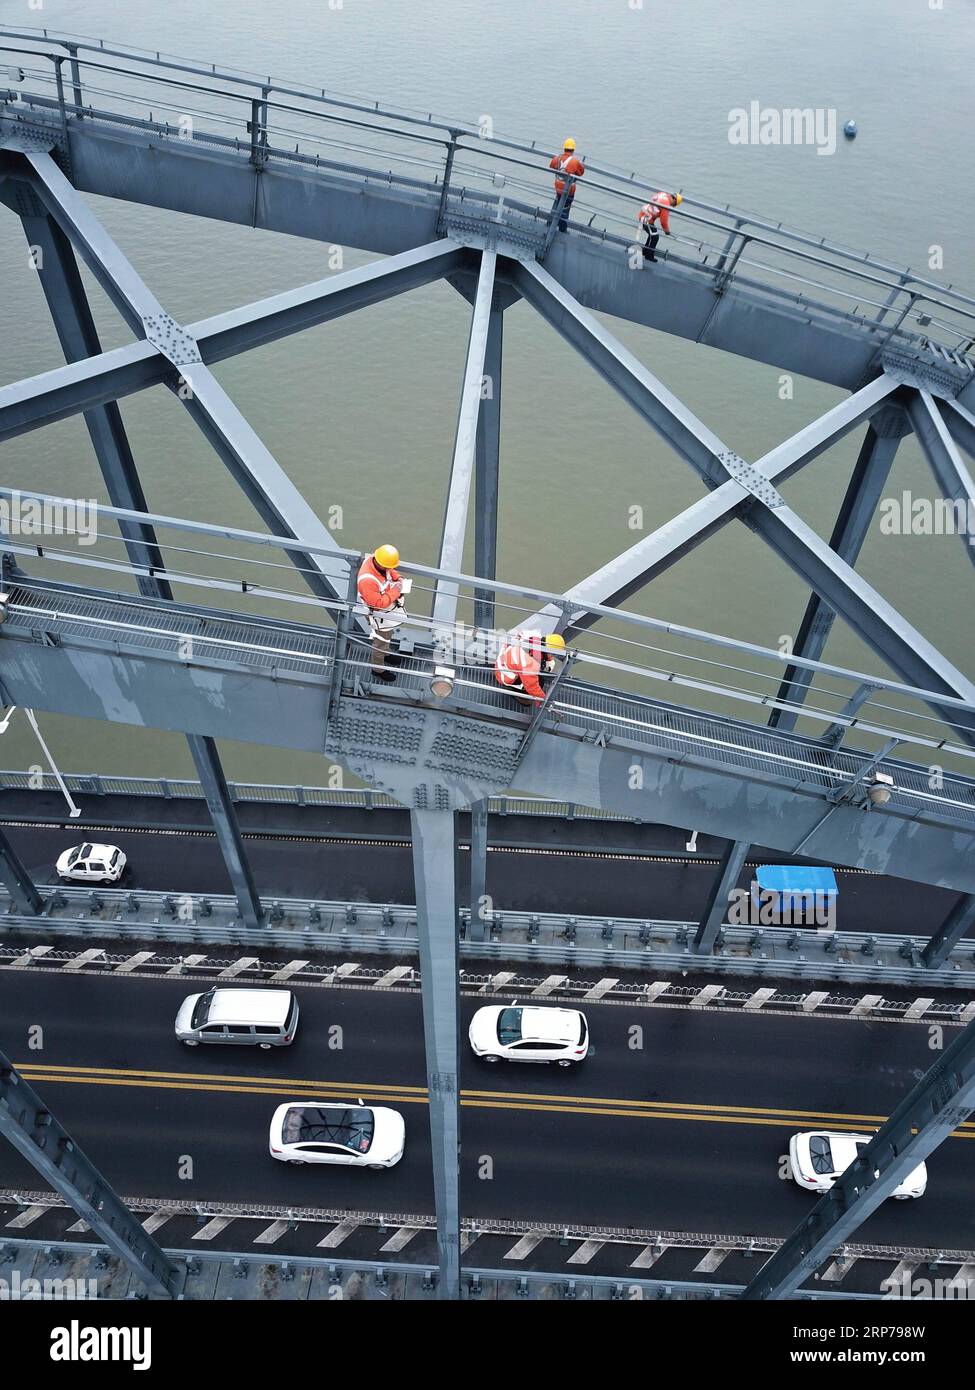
column 654, row 212
column 381, row 587
column 566, row 163
column 523, row 660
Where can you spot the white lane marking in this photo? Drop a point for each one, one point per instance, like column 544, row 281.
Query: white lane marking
column 93, row 953
column 134, row 962
column 919, row 1007
column 271, row 1233
column 213, row 1227
column 157, row 1219
column 550, row 984
column 602, row 987
column 522, row 1248
column 288, row 970
column 839, row 1269
column 79, row 1227
column 26, row 1218
column 238, row 967
column 187, row 960
column 498, row 981
column 391, row 976
column 760, row 997
column 338, row 1233
column 813, row 1000
column 400, row 1238
column 712, row 1259
column 655, row 990
column 586, row 1251
column 705, row 995
column 866, row 1005
column 967, row 1013
column 348, row 968
column 648, row 1256
column 35, row 953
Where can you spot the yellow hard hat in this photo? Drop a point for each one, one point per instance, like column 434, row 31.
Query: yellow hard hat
column 387, row 557
column 554, row 642
column 678, row 199
column 570, row 144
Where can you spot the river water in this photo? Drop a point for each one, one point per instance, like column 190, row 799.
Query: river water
column 362, row 412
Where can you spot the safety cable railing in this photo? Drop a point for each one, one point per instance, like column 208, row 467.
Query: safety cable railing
column 721, row 672
column 430, row 154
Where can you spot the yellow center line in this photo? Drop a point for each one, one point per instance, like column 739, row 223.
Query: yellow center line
column 483, row 1100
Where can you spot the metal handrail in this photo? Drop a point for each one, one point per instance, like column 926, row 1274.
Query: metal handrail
column 918, row 290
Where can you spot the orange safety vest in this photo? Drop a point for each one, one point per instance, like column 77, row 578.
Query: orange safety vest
column 658, row 207
column 566, row 164
column 378, row 588
column 517, row 666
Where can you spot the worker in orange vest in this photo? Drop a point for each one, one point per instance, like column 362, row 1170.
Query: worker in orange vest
column 381, row 588
column 657, row 210
column 566, row 163
column 523, row 660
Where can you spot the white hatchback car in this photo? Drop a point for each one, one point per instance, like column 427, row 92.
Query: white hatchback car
column 530, row 1034
column 361, row 1136
column 91, row 864
column 818, row 1157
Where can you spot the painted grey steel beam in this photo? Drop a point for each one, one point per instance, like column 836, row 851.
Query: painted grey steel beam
column 945, row 461
column 625, row 373
column 434, row 869
column 70, row 310
column 934, row 1108
column 250, row 462
column 465, row 445
column 19, row 883
column 478, row 871
column 52, row 396
column 959, row 921
column 224, row 817
column 47, row 1146
column 626, row 573
column 716, row 909
column 487, row 469
column 856, row 513
column 66, row 298
column 961, row 423
column 268, row 320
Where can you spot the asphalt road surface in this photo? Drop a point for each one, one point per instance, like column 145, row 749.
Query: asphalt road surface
column 680, row 1126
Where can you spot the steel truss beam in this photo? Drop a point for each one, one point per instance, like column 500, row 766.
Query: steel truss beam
column 856, row 513
column 47, row 1146
column 68, row 303
column 961, row 423
column 716, row 910
column 19, row 883
column 52, row 396
column 487, row 470
column 434, row 869
column 944, row 458
column 935, row 1107
column 748, row 494
column 958, row 922
column 465, row 445
column 478, row 871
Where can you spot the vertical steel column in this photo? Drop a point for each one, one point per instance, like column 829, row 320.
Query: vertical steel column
column 20, row 886
column 434, row 869
column 860, row 502
column 65, row 293
column 35, row 1133
column 935, row 1107
column 487, row 472
column 224, row 818
column 944, row 459
column 732, row 862
column 478, row 869
column 952, row 929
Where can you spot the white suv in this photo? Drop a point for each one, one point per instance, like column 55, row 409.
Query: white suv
column 91, row 864
column 818, row 1157
column 531, row 1034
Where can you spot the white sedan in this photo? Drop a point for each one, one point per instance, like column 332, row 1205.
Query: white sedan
column 90, row 863
column 529, row 1035
column 359, row 1136
column 818, row 1157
